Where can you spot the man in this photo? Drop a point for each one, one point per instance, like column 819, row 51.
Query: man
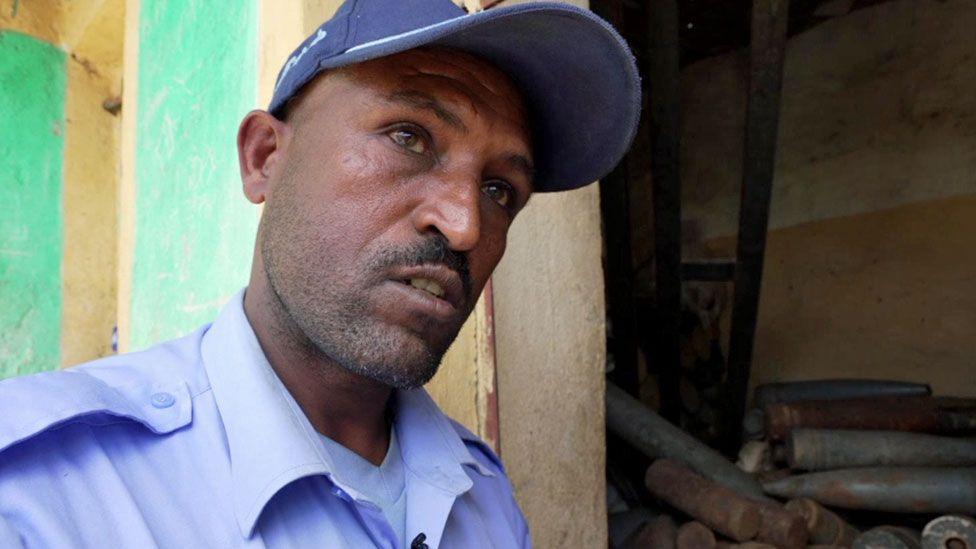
column 402, row 140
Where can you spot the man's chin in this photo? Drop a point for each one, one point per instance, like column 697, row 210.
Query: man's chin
column 416, row 375
column 400, row 360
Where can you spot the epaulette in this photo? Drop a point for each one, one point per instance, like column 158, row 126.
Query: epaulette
column 34, row 404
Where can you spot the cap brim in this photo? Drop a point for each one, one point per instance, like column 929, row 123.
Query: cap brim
column 576, row 73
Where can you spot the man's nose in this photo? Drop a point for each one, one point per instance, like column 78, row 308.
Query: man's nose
column 453, row 209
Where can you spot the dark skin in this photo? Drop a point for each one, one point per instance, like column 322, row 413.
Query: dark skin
column 396, row 172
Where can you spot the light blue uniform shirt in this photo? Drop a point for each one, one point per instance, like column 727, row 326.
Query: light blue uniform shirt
column 195, row 443
column 383, row 485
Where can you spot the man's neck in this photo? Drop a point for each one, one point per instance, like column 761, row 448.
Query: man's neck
column 346, row 407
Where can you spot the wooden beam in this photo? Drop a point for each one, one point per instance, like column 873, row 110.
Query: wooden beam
column 665, row 110
column 767, row 51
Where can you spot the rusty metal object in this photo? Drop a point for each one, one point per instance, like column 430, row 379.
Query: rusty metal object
column 835, row 389
column 950, row 532
column 893, row 489
column 714, row 505
column 659, row 533
column 819, row 449
column 917, row 414
column 824, row 526
column 781, row 527
column 656, row 438
column 888, row 537
column 695, row 535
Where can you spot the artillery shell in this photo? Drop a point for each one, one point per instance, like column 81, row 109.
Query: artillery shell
column 781, row 527
column 745, row 545
column 893, row 489
column 888, row 537
column 712, row 504
column 950, row 532
column 657, row 438
column 835, row 389
column 825, row 527
column 821, row 449
column 695, row 535
column 916, row 414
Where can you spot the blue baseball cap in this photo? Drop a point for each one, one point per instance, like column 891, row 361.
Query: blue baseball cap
column 575, row 72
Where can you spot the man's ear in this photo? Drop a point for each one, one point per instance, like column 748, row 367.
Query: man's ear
column 260, row 146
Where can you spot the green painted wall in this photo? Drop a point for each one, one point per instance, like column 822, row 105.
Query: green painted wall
column 194, row 228
column 33, row 78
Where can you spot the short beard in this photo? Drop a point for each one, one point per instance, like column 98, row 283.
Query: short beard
column 350, row 339
column 339, row 328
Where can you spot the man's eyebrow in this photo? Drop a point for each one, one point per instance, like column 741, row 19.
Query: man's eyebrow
column 522, row 164
column 425, row 101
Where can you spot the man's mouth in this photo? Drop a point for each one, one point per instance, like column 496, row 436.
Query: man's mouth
column 433, row 281
column 426, row 285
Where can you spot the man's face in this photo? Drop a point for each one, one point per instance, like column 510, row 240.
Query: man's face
column 392, row 206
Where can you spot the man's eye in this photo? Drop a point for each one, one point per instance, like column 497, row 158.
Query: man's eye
column 500, row 192
column 409, row 139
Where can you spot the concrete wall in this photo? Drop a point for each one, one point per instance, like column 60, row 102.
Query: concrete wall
column 886, row 294
column 551, row 347
column 870, row 265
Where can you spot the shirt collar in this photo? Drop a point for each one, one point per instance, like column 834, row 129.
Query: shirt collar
column 271, row 442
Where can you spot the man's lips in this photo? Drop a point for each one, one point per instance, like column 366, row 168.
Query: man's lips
column 437, row 281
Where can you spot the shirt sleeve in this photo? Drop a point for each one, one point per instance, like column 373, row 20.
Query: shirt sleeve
column 8, row 536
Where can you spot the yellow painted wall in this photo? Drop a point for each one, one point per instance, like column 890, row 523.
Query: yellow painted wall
column 889, row 294
column 92, row 170
column 870, row 268
column 125, row 236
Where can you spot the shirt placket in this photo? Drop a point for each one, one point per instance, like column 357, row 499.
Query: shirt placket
column 372, row 519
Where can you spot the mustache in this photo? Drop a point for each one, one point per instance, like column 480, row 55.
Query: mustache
column 431, row 250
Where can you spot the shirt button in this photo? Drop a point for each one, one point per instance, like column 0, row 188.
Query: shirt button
column 162, row 400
